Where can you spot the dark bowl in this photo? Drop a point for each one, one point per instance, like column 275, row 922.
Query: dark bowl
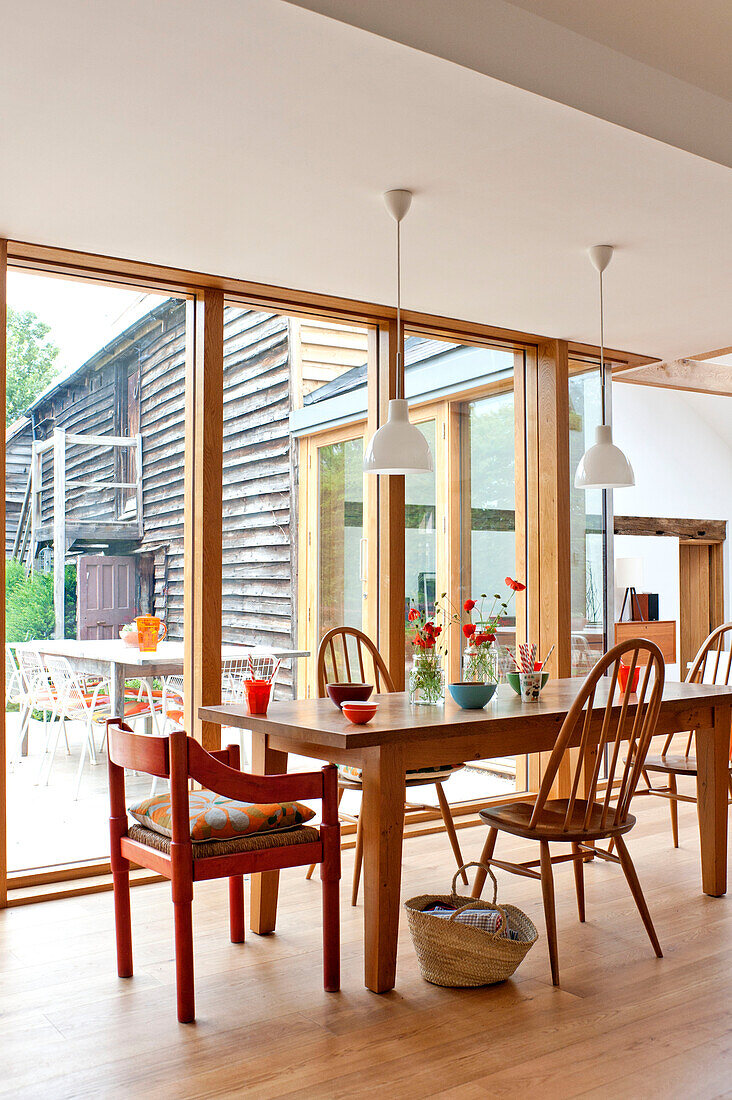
column 339, row 692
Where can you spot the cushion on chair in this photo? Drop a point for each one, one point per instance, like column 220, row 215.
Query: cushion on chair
column 285, row 838
column 214, row 817
column 416, row 775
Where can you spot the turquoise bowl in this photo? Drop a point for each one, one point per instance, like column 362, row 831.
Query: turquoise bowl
column 472, row 696
column 513, row 679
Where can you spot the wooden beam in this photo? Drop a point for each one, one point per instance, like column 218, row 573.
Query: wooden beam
column 3, row 755
column 203, row 512
column 702, row 530
column 690, row 375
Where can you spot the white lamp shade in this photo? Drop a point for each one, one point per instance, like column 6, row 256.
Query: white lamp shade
column 398, row 447
column 628, row 572
column 604, row 466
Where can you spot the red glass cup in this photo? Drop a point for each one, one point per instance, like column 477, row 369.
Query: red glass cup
column 258, row 696
column 623, row 677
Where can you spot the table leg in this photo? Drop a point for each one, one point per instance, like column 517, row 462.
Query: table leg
column 383, row 833
column 264, row 886
column 712, row 752
column 117, row 690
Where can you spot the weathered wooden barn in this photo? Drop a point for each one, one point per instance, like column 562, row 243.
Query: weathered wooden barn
column 133, row 390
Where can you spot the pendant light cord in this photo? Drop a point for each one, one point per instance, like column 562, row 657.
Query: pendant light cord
column 399, row 378
column 602, row 353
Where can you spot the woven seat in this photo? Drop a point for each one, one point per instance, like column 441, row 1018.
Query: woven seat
column 283, row 838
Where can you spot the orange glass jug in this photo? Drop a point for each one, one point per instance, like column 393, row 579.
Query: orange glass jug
column 149, row 632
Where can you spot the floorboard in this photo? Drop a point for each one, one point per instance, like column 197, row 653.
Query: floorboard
column 624, row 1024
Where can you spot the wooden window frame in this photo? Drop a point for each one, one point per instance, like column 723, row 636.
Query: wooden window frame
column 545, row 518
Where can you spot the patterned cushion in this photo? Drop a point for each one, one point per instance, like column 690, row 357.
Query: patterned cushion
column 215, row 817
column 425, row 775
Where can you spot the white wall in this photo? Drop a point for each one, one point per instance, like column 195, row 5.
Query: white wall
column 680, row 447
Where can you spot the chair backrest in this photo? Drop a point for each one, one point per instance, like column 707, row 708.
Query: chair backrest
column 233, row 674
column 181, row 759
column 346, row 654
column 584, row 737
column 32, row 669
column 13, row 685
column 67, row 685
column 712, row 665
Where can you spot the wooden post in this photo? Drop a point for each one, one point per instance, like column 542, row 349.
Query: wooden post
column 382, row 387
column 3, row 768
column 59, row 528
column 138, row 483
column 203, row 510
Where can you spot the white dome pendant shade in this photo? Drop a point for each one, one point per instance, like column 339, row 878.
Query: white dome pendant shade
column 398, row 447
column 603, row 466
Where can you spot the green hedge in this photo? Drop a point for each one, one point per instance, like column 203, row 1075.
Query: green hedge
column 29, row 603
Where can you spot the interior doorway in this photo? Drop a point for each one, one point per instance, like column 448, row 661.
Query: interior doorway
column 688, row 576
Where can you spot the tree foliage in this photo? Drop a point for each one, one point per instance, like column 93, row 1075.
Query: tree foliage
column 29, row 611
column 31, row 361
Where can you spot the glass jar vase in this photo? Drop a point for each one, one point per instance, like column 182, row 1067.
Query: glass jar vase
column 427, row 680
column 480, row 664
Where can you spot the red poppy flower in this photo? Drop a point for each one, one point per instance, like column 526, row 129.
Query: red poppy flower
column 469, row 630
column 413, row 614
column 429, row 643
column 429, row 626
column 437, row 631
column 516, row 586
column 418, row 641
column 468, row 605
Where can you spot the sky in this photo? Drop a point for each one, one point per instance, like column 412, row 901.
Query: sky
column 82, row 316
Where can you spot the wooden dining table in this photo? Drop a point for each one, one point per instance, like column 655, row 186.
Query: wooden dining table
column 403, row 736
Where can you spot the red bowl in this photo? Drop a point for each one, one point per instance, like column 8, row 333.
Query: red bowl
column 355, row 692
column 358, row 711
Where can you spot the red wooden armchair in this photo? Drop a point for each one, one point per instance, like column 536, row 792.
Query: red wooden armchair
column 180, row 758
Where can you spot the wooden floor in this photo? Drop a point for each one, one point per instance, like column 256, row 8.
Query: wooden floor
column 625, row 1024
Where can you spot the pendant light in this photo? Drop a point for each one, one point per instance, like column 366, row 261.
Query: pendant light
column 398, row 447
column 603, row 466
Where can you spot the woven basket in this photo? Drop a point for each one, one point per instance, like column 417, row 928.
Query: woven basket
column 455, row 954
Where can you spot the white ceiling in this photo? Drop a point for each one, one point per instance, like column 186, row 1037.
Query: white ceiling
column 256, row 143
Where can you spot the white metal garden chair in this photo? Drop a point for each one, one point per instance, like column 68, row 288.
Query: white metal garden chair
column 39, row 695
column 91, row 707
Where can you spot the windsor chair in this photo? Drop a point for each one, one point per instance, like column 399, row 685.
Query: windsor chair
column 590, row 814
column 712, row 665
column 344, row 655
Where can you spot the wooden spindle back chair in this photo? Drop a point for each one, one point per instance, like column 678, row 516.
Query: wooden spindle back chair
column 711, row 665
column 598, row 804
column 181, row 759
column 347, row 654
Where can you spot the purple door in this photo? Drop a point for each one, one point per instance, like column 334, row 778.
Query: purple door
column 105, row 590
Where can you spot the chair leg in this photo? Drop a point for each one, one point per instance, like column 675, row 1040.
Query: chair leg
column 579, row 880
column 674, row 806
column 635, row 889
column 183, row 914
column 450, row 829
column 311, row 868
column 485, row 856
column 331, row 931
column 550, row 916
column 123, row 922
column 236, row 908
column 358, row 858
